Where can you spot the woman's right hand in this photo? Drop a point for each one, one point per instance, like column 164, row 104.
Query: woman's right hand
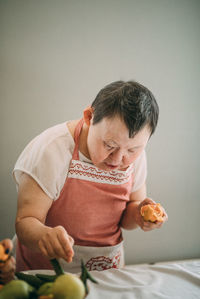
column 33, row 207
column 56, row 243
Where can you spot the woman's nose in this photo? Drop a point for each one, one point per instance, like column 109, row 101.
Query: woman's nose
column 116, row 156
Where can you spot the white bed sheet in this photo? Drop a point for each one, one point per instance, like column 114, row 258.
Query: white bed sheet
column 180, row 280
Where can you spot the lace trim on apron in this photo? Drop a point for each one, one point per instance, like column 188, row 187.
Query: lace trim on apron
column 84, row 171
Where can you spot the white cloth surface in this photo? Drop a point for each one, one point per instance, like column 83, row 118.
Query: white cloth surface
column 174, row 280
column 169, row 280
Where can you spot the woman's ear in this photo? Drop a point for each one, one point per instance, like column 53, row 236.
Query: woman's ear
column 87, row 115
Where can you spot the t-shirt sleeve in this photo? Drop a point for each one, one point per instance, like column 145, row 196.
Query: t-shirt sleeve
column 46, row 159
column 140, row 171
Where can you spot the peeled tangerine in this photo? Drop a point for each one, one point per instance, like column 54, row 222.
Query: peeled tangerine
column 68, row 286
column 3, row 255
column 152, row 212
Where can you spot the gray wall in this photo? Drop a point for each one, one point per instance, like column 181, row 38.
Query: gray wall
column 56, row 55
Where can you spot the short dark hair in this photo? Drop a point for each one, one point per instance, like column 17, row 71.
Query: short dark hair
column 132, row 101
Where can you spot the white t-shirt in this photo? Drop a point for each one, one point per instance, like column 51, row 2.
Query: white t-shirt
column 47, row 157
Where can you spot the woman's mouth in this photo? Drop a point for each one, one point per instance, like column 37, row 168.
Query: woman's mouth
column 110, row 166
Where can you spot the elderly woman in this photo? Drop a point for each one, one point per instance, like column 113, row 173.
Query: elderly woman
column 81, row 181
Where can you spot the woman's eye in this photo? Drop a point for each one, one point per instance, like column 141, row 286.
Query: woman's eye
column 108, row 146
column 131, row 151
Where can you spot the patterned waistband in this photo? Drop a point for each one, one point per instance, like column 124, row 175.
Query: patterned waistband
column 96, row 258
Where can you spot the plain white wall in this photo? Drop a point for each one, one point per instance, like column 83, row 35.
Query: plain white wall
column 54, row 58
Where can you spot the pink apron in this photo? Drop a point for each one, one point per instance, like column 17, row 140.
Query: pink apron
column 89, row 207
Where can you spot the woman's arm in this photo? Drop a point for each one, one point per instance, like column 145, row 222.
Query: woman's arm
column 33, row 206
column 132, row 217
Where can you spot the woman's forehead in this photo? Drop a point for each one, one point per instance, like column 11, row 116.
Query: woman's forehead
column 115, row 131
column 113, row 126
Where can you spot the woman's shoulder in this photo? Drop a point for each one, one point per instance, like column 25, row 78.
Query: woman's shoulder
column 60, row 135
column 63, row 131
column 59, row 131
column 55, row 143
column 46, row 158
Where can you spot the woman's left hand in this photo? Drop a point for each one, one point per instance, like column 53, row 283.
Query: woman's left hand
column 147, row 225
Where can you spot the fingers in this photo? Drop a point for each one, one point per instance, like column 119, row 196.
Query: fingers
column 8, row 245
column 144, row 225
column 8, row 266
column 148, row 225
column 56, row 243
column 7, row 270
column 147, row 201
column 6, row 277
column 67, row 243
column 165, row 216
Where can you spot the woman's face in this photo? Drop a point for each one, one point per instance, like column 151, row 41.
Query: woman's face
column 110, row 147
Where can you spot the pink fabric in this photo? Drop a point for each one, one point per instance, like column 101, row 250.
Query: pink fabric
column 89, row 211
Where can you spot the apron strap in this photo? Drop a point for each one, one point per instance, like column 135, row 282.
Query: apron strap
column 77, row 132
